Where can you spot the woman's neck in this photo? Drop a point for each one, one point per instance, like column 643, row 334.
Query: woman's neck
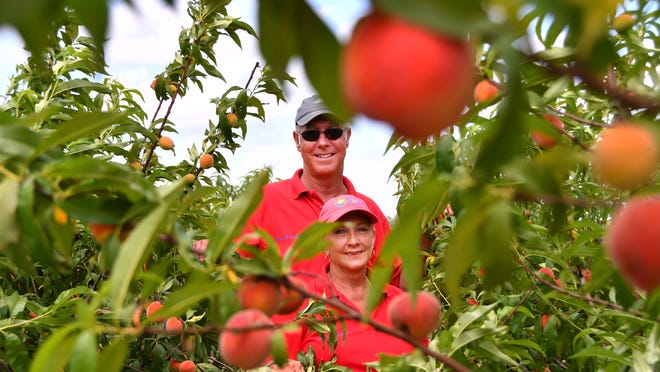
column 353, row 285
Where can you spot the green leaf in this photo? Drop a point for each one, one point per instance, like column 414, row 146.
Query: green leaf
column 15, row 351
column 83, row 356
column 469, row 336
column 95, row 174
column 53, row 354
column 231, row 223
column 278, row 348
column 198, row 287
column 112, row 356
column 81, row 84
column 600, row 352
column 33, row 236
column 447, row 17
column 9, row 193
column 320, row 51
column 469, row 318
column 495, row 352
column 93, row 15
column 277, row 32
column 17, row 141
column 309, row 243
column 137, row 245
column 79, row 126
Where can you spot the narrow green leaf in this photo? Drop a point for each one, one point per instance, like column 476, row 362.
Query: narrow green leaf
column 16, row 352
column 231, row 223
column 17, row 141
column 54, row 354
column 600, row 352
column 83, row 356
column 33, row 236
column 495, row 352
column 320, row 50
column 133, row 249
column 78, row 84
column 112, row 356
column 278, row 348
column 277, row 32
column 81, row 125
column 309, row 243
column 198, row 287
column 9, row 189
column 93, row 15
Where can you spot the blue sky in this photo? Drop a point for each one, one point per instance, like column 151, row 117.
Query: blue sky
column 141, row 45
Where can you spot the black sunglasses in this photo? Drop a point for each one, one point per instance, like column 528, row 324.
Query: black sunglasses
column 314, row 134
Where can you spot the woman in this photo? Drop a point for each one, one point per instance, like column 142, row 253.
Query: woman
column 345, row 279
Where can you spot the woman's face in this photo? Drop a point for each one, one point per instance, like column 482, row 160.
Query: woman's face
column 352, row 243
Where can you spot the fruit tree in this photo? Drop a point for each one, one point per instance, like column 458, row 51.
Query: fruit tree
column 527, row 218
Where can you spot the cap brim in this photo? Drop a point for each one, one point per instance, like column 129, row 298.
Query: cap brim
column 338, row 214
column 305, row 119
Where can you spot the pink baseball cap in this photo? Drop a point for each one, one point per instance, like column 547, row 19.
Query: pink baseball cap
column 337, row 207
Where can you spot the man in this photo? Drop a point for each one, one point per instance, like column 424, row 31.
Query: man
column 290, row 206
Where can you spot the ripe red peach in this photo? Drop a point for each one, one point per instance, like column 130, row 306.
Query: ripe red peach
column 633, row 241
column 260, row 292
column 173, row 324
column 153, row 308
column 414, row 78
column 626, row 156
column 242, row 347
column 485, row 91
column 206, row 161
column 166, row 143
column 292, row 299
column 543, row 140
column 187, row 366
column 418, row 319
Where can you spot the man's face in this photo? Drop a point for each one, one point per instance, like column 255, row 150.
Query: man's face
column 322, row 154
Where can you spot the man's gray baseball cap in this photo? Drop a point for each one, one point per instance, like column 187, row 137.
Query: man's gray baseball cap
column 310, row 108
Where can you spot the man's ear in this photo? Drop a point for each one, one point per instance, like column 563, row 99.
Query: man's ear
column 348, row 135
column 297, row 139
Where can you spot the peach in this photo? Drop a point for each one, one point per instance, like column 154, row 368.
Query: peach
column 232, row 119
column 292, row 299
column 547, row 271
column 418, row 319
column 544, row 320
column 166, row 143
column 485, row 91
column 153, row 308
column 545, row 140
column 246, row 348
column 260, row 292
column 136, row 319
column 173, row 324
column 187, row 366
column 190, row 178
column 626, row 156
column 206, row 161
column 623, row 22
column 633, row 241
column 101, row 231
column 416, row 79
column 59, row 215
